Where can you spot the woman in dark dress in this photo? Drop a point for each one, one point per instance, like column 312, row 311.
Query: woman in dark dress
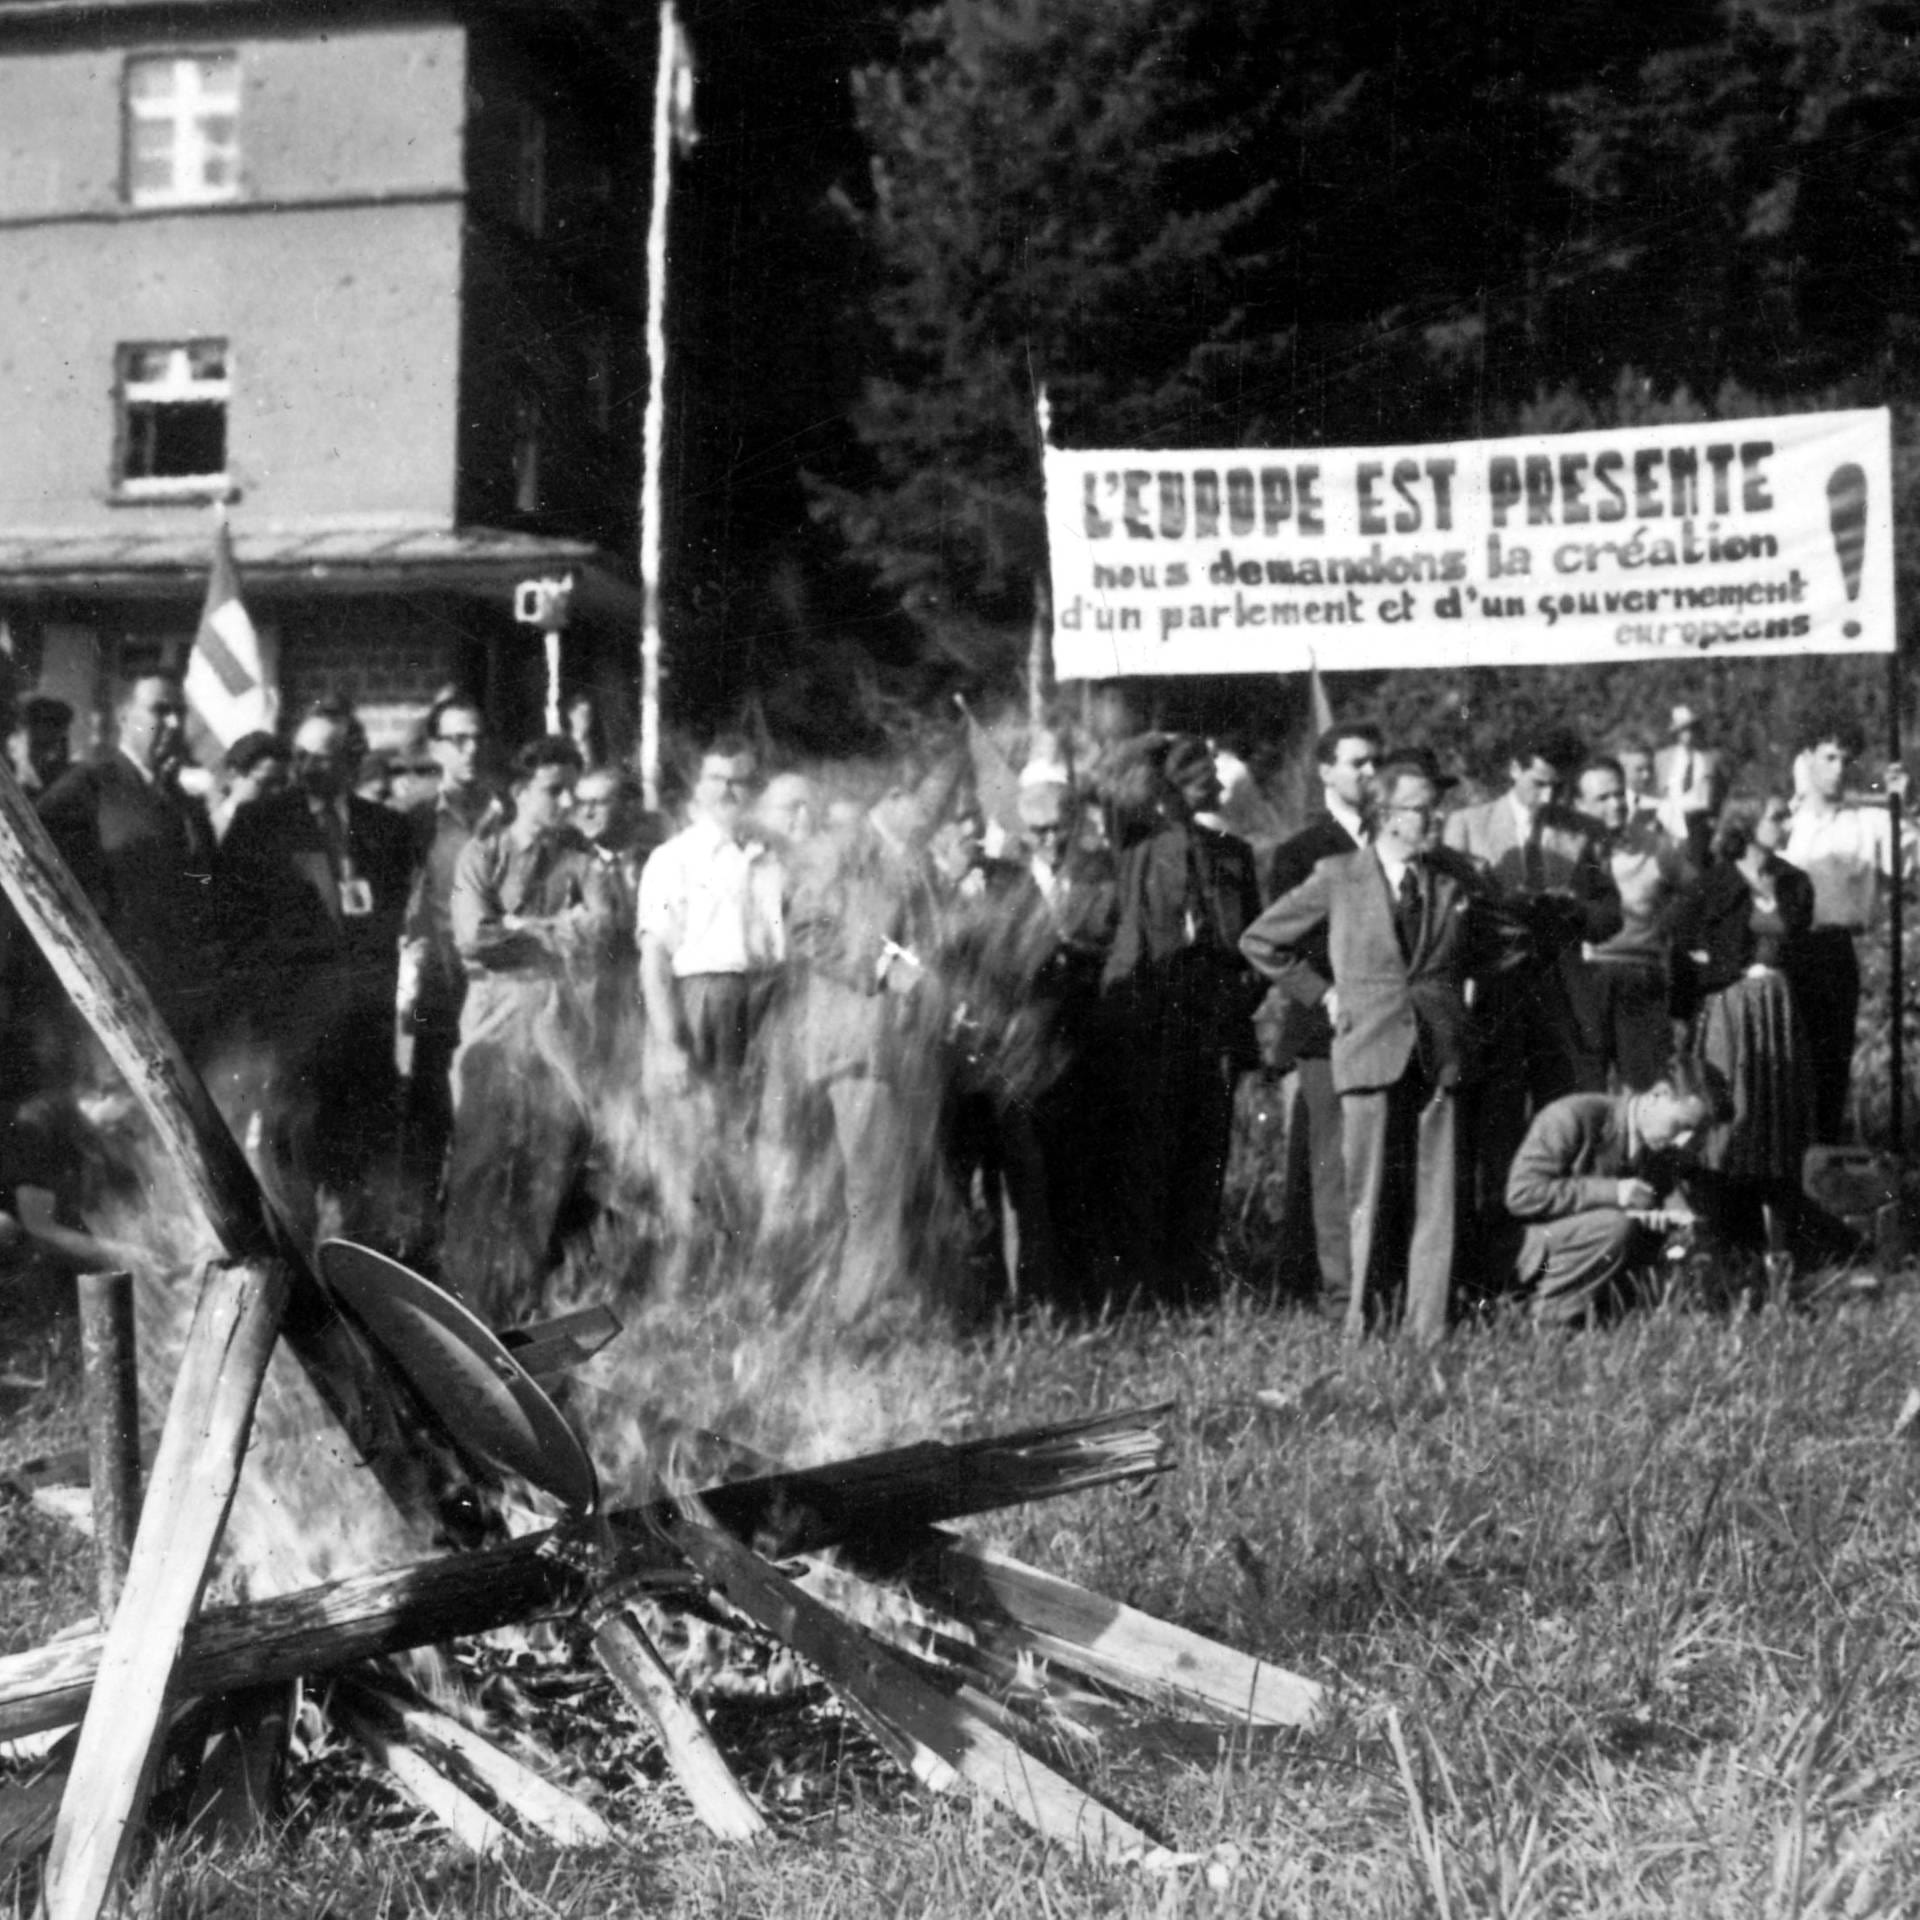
column 1736, row 936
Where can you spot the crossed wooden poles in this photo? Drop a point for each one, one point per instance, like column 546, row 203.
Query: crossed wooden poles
column 928, row 1681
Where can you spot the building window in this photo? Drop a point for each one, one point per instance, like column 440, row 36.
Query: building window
column 183, row 129
column 173, row 419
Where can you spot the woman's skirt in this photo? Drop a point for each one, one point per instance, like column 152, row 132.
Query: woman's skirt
column 1752, row 1033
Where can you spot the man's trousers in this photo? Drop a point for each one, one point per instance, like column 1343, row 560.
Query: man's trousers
column 1401, row 1156
column 1313, row 1266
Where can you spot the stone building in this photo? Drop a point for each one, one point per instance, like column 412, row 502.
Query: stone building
column 368, row 276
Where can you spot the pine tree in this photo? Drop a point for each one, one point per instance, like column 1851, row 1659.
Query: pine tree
column 1057, row 200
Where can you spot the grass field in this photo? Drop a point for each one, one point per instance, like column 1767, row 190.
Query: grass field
column 1620, row 1623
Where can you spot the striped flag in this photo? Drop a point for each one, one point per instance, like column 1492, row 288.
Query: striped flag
column 226, row 681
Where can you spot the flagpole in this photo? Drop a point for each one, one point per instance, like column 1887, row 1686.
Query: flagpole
column 666, row 76
column 1896, row 930
column 1039, row 644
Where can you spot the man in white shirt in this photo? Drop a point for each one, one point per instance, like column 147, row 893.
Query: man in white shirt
column 1692, row 778
column 1626, row 988
column 711, row 933
column 1846, row 850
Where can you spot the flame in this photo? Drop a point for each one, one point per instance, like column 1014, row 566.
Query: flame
column 789, row 1256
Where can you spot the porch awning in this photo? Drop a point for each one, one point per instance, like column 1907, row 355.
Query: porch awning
column 283, row 563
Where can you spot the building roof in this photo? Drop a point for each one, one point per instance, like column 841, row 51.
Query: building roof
column 278, row 563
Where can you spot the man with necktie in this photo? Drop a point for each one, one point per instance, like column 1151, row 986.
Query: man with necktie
column 1552, row 875
column 1314, row 1266
column 1384, row 939
column 1692, row 782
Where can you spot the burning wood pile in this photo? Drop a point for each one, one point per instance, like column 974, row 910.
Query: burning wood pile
column 967, row 1668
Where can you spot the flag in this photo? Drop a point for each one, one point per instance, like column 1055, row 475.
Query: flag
column 994, row 780
column 226, row 680
column 1319, row 707
column 678, row 56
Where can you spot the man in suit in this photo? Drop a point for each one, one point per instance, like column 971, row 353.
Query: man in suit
column 1384, row 939
column 1314, row 1184
column 143, row 851
column 313, row 887
column 1595, row 1184
column 1551, row 874
column 433, row 979
column 1180, row 1000
column 1691, row 781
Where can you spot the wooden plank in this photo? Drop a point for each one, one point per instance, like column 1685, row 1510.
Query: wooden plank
column 425, row 1785
column 887, row 1686
column 356, row 1618
column 1106, row 1640
column 634, row 1665
column 562, row 1817
column 111, row 1390
column 115, row 1003
column 202, row 1447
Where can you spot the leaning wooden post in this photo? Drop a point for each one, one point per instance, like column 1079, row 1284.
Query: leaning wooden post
column 114, row 1002
column 202, row 1448
column 634, row 1665
column 112, row 1384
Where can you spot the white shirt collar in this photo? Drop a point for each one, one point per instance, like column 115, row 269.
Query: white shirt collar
column 1348, row 817
column 1393, row 863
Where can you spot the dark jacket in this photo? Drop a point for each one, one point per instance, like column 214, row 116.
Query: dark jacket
column 1715, row 940
column 1185, row 896
column 281, row 911
column 143, row 852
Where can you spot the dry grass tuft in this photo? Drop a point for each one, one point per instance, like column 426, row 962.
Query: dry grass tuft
column 1616, row 1624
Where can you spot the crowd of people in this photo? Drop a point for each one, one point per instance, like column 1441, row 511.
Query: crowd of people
column 1521, row 1038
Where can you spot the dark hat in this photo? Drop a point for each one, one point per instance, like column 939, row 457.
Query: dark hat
column 1187, row 758
column 42, row 709
column 1418, row 760
column 250, row 749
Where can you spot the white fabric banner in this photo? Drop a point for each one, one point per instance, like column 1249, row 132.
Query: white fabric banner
column 1723, row 537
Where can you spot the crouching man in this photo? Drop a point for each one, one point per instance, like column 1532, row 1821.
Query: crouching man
column 1596, row 1186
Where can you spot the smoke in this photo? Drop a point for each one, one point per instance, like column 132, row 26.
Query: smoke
column 308, row 1508
column 790, row 1255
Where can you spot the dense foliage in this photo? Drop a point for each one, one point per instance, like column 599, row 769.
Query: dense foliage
column 1219, row 223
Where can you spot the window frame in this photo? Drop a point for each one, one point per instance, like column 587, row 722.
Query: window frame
column 129, row 393
column 185, row 122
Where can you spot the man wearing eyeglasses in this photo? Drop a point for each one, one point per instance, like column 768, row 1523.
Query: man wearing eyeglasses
column 1384, row 939
column 1314, row 1267
column 433, row 981
column 1548, row 866
column 143, row 851
column 312, row 888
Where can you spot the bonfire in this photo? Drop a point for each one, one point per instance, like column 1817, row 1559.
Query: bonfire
column 377, row 1406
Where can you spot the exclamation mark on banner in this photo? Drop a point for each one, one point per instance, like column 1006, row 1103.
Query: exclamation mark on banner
column 1847, row 515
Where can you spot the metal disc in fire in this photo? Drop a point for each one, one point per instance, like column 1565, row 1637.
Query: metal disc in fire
column 487, row 1402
